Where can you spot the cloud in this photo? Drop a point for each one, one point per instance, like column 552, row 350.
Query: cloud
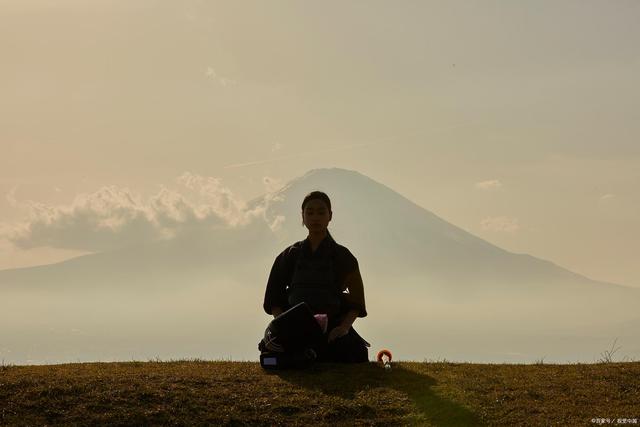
column 11, row 197
column 500, row 224
column 606, row 197
column 277, row 222
column 492, row 184
column 277, row 147
column 114, row 217
column 94, row 221
column 222, row 81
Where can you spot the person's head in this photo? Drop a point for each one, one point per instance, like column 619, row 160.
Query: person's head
column 316, row 211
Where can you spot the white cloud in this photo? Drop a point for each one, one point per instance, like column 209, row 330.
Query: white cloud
column 489, row 185
column 222, row 81
column 11, row 197
column 277, row 222
column 607, row 197
column 211, row 73
column 114, row 217
column 277, row 147
column 500, row 224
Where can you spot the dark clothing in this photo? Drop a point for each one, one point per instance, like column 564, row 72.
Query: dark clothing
column 346, row 349
column 289, row 338
column 351, row 348
column 329, row 277
column 328, row 280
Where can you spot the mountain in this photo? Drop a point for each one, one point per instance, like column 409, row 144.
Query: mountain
column 432, row 279
column 394, row 237
column 391, row 236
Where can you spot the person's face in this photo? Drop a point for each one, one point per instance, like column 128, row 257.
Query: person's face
column 316, row 215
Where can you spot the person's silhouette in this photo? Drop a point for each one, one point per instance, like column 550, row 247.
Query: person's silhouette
column 324, row 275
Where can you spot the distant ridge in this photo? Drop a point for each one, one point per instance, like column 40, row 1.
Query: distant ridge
column 393, row 231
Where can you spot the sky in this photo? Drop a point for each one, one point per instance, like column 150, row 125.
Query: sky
column 516, row 121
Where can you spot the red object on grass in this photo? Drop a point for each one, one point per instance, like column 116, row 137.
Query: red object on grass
column 382, row 353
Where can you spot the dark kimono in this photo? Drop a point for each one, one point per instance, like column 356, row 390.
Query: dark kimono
column 329, row 281
column 333, row 266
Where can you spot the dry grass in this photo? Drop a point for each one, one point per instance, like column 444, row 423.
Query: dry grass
column 241, row 393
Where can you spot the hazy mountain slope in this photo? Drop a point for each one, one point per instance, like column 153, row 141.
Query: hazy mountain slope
column 225, row 253
column 392, row 235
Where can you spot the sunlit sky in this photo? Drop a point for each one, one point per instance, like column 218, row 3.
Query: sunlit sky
column 516, row 121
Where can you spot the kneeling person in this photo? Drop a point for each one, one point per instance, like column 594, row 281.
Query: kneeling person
column 325, row 276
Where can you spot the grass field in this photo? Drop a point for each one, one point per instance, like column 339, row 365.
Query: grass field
column 241, row 393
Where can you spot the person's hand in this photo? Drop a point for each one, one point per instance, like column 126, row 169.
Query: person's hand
column 337, row 332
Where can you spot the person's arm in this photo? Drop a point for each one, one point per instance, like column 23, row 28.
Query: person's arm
column 343, row 328
column 275, row 297
column 349, row 318
column 354, row 298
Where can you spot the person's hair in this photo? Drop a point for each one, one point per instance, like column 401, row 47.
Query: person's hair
column 317, row 195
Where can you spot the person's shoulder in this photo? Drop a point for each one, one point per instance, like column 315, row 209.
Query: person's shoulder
column 292, row 249
column 345, row 254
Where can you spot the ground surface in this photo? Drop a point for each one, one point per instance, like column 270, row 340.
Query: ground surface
column 241, row 393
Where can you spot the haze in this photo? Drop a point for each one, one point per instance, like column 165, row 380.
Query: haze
column 517, row 122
